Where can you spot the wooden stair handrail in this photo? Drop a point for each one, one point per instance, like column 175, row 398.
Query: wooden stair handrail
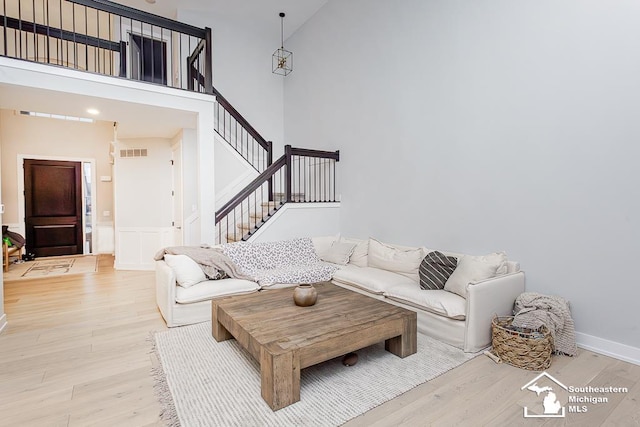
column 267, row 175
column 250, row 188
column 240, row 119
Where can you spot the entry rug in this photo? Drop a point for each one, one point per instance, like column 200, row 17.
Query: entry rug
column 52, row 266
column 201, row 382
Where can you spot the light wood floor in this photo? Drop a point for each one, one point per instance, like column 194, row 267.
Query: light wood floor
column 76, row 353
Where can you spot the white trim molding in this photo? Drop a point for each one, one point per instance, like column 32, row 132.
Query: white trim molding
column 608, row 348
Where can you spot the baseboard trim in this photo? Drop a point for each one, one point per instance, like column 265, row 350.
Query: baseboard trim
column 133, row 267
column 3, row 322
column 608, row 348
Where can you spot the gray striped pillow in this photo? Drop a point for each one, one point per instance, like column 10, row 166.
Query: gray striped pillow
column 435, row 269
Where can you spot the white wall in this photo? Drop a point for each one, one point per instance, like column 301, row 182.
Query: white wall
column 191, row 214
column 143, row 197
column 301, row 220
column 232, row 174
column 481, row 126
column 143, row 202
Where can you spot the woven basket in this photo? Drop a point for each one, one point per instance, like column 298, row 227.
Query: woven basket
column 523, row 348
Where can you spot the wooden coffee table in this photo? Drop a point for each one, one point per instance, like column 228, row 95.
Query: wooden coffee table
column 286, row 338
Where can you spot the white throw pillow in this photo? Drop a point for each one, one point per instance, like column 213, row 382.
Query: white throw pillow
column 339, row 253
column 322, row 244
column 473, row 269
column 187, row 271
column 405, row 261
column 360, row 253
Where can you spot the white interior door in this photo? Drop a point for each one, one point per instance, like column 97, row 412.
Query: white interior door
column 176, row 193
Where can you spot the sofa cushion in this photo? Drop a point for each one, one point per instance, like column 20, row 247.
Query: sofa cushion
column 187, row 271
column 435, row 269
column 360, row 252
column 209, row 289
column 339, row 253
column 436, row 301
column 370, row 279
column 474, row 269
column 322, row 244
column 405, row 261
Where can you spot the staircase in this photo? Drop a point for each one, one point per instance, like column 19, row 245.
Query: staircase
column 298, row 176
column 108, row 38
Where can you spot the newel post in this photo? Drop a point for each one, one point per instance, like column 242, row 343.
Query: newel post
column 288, row 172
column 208, row 61
column 269, row 162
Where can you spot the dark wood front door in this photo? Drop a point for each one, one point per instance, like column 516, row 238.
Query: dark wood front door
column 53, row 207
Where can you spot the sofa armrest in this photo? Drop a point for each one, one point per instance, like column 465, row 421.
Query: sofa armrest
column 165, row 291
column 486, row 299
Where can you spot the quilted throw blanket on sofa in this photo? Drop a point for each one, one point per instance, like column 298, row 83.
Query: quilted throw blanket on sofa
column 286, row 261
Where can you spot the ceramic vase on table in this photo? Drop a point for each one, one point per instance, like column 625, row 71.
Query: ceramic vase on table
column 305, row 295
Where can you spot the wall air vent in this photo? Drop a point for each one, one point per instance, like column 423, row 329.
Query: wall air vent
column 134, row 152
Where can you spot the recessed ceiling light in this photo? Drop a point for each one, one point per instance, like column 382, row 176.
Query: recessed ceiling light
column 93, row 111
column 151, row 1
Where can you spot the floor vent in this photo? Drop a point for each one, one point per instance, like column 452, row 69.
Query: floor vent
column 134, row 152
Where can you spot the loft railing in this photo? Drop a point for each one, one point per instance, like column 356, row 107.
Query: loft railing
column 103, row 37
column 298, row 176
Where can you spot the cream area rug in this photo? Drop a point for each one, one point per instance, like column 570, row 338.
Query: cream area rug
column 51, row 267
column 201, row 382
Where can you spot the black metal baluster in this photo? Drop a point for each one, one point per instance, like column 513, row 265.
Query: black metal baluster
column 86, row 46
column 47, row 19
column 180, row 60
column 59, row 45
column 241, row 220
column 142, row 61
column 189, row 47
column 163, row 53
column 20, row 26
column 153, row 61
column 97, row 62
column 35, row 35
column 304, row 179
column 75, row 46
column 4, row 14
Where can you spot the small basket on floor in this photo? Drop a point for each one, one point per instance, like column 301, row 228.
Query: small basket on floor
column 521, row 347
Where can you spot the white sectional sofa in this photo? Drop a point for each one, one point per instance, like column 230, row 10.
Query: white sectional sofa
column 459, row 315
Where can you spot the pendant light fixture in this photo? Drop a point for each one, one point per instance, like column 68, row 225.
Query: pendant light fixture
column 282, row 59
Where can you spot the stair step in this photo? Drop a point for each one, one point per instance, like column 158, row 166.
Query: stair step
column 258, row 217
column 248, row 226
column 232, row 239
column 270, row 205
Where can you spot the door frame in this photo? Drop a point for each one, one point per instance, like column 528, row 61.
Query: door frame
column 21, row 199
column 177, row 199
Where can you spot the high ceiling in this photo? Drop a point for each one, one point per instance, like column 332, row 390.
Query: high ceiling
column 136, row 120
column 259, row 14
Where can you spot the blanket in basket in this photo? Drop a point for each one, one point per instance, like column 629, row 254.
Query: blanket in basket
column 534, row 310
column 286, row 261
